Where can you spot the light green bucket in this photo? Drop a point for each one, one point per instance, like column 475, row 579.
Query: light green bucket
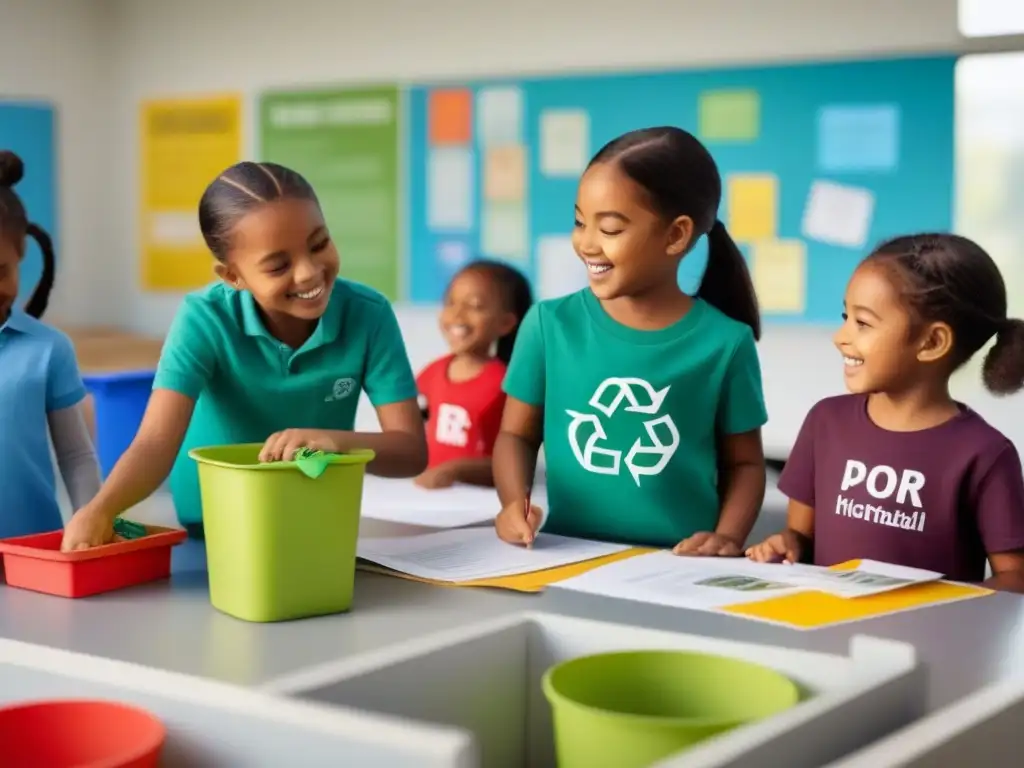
column 279, row 545
column 630, row 709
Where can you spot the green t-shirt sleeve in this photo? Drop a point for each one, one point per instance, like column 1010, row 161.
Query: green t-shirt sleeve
column 189, row 356
column 741, row 408
column 525, row 377
column 389, row 377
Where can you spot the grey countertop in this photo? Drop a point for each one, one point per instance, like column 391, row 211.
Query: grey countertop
column 171, row 625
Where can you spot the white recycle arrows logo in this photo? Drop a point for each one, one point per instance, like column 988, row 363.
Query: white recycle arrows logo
column 625, row 392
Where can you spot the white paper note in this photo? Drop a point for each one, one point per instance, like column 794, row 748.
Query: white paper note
column 468, row 554
column 564, row 142
column 560, row 270
column 450, row 189
column 500, row 115
column 402, row 501
column 708, row 583
column 175, row 229
column 838, row 214
column 504, row 231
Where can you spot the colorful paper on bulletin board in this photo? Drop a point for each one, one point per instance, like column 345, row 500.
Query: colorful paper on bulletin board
column 29, row 130
column 186, row 144
column 521, row 582
column 346, row 143
column 785, row 120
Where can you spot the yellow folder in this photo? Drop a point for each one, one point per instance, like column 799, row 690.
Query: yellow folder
column 813, row 610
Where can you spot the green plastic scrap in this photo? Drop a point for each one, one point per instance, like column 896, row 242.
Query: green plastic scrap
column 127, row 529
column 312, row 463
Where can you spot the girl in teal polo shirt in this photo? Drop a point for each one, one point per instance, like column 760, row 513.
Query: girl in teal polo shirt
column 276, row 352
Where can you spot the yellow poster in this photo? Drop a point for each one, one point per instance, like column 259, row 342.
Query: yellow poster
column 185, row 144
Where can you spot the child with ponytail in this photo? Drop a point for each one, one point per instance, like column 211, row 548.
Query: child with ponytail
column 41, row 391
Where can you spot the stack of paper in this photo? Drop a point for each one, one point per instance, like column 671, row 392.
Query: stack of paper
column 714, row 582
column 475, row 554
column 402, row 501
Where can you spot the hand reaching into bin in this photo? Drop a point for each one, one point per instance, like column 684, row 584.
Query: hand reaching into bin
column 282, row 446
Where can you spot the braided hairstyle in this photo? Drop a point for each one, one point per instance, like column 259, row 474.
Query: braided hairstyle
column 15, row 227
column 238, row 191
column 951, row 279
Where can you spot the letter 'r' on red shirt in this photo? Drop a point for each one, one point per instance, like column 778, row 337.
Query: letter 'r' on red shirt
column 463, row 417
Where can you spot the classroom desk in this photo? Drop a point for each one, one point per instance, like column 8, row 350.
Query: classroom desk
column 172, row 626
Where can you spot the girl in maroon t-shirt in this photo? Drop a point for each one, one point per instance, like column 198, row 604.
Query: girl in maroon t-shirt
column 461, row 392
column 898, row 471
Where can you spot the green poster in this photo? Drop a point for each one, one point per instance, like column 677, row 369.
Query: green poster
column 345, row 142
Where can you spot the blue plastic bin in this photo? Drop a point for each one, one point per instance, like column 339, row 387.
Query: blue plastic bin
column 121, row 399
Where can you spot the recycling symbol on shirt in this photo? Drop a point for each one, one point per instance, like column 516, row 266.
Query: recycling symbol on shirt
column 649, row 454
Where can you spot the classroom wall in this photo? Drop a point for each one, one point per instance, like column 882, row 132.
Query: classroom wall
column 135, row 49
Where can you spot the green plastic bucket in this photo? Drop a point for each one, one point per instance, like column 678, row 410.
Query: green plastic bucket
column 279, row 545
column 630, row 709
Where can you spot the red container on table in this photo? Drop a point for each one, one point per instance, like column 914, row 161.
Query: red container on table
column 79, row 734
column 36, row 563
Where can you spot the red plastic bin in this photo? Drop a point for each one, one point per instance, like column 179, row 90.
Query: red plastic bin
column 79, row 734
column 36, row 563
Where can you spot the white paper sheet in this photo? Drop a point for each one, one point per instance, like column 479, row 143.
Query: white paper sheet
column 564, row 142
column 402, row 501
column 561, row 271
column 505, row 231
column 468, row 554
column 500, row 115
column 838, row 214
column 707, row 583
column 450, row 189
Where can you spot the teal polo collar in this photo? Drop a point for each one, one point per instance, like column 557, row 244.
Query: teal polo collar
column 327, row 329
column 18, row 321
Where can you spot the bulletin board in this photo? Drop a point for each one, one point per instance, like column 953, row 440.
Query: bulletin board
column 29, row 130
column 819, row 162
column 346, row 142
column 185, row 144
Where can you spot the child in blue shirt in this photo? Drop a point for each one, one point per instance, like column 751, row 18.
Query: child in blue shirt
column 41, row 391
column 277, row 352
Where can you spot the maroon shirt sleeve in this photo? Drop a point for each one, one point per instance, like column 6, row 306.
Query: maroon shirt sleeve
column 998, row 503
column 797, row 481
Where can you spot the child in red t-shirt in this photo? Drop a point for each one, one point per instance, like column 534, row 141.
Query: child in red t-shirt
column 461, row 392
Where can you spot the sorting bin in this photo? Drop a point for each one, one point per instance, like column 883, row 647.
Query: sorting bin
column 279, row 545
column 120, row 399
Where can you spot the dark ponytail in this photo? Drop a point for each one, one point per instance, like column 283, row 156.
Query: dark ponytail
column 15, row 226
column 40, row 299
column 516, row 296
column 727, row 284
column 681, row 179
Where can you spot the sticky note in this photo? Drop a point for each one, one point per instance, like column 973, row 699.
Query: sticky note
column 174, row 229
column 779, row 272
column 504, row 231
column 450, row 116
column 838, row 214
column 505, row 173
column 752, row 202
column 859, row 138
column 499, row 114
column 452, row 255
column 450, row 189
column 559, row 270
column 729, row 115
column 564, row 142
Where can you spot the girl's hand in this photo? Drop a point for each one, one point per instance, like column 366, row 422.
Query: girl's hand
column 708, row 544
column 514, row 526
column 281, row 446
column 786, row 547
column 441, row 476
column 87, row 528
